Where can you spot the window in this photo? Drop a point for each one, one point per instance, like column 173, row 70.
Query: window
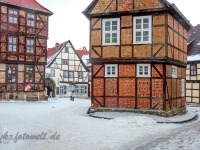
column 13, row 16
column 193, row 70
column 143, row 70
column 71, row 74
column 30, row 20
column 142, row 30
column 64, row 61
column 30, row 45
column 12, row 44
column 66, row 49
column 174, row 72
column 11, row 74
column 57, row 90
column 111, row 70
column 52, row 72
column 111, row 31
column 71, row 88
column 65, row 74
column 29, row 74
column 63, row 89
column 182, row 87
column 80, row 75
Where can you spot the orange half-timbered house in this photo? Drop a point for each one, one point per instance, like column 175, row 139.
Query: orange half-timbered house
column 138, row 51
column 23, row 41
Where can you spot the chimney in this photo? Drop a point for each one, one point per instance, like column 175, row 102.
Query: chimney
column 57, row 44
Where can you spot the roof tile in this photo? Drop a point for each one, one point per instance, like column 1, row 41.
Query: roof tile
column 31, row 4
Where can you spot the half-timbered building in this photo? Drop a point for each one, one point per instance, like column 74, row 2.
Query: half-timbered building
column 138, row 51
column 23, row 41
column 193, row 66
column 66, row 72
column 84, row 55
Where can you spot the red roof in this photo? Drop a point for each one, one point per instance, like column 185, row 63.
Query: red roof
column 53, row 52
column 31, row 4
column 82, row 51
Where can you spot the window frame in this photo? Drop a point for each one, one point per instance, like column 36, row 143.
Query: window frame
column 193, row 70
column 13, row 16
column 142, row 29
column 66, row 74
column 30, row 46
column 66, row 49
column 30, row 19
column 65, row 62
column 111, row 75
column 33, row 80
column 62, row 90
column 52, row 72
column 81, row 75
column 110, row 32
column 11, row 44
column 71, row 73
column 143, row 75
column 13, row 72
column 174, row 71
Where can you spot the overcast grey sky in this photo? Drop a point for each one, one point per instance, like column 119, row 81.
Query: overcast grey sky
column 68, row 22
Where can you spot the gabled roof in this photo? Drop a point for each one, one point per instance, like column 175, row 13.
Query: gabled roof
column 82, row 51
column 194, row 41
column 52, row 53
column 174, row 11
column 30, row 4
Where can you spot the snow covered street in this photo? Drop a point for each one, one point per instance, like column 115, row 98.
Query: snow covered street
column 62, row 124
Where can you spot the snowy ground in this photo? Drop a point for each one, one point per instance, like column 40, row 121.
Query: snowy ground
column 61, row 124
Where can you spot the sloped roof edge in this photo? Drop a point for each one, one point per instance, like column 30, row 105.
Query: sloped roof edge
column 73, row 50
column 44, row 10
column 172, row 7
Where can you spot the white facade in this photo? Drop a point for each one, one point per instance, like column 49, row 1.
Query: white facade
column 67, row 72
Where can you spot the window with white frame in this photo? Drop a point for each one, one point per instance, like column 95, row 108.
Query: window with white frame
column 111, row 70
column 182, row 87
column 111, row 31
column 174, row 71
column 52, row 72
column 63, row 89
column 143, row 70
column 142, row 30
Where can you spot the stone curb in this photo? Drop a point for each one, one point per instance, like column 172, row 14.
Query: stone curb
column 175, row 122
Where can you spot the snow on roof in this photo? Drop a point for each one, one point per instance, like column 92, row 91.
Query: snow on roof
column 194, row 58
column 82, row 51
column 53, row 52
column 31, row 4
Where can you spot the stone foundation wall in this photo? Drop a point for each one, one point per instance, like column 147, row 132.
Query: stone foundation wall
column 23, row 95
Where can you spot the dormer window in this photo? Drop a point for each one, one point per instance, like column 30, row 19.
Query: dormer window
column 30, row 20
column 13, row 16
